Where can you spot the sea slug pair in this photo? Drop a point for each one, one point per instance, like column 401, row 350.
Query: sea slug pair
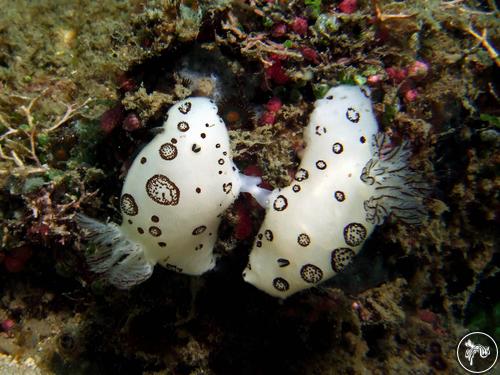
column 350, row 179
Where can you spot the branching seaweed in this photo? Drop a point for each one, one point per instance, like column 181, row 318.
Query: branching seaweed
column 18, row 144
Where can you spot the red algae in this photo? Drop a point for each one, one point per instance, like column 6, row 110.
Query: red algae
column 111, row 118
column 7, row 325
column 299, row 25
column 310, row 54
column 267, row 118
column 418, row 70
column 279, row 30
column 131, row 122
column 274, row 104
column 396, row 74
column 348, row 6
column 15, row 260
column 277, row 73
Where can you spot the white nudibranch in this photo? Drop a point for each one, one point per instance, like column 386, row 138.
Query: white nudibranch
column 349, row 180
column 173, row 198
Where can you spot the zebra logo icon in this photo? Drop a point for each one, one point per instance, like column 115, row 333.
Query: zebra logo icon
column 477, row 352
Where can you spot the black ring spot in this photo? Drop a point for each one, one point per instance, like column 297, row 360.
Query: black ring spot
column 337, row 148
column 128, row 205
column 155, row 231
column 339, row 196
column 185, row 107
column 303, row 240
column 227, row 187
column 283, row 262
column 352, row 115
column 301, row 175
column 168, row 151
column 199, row 230
column 321, row 165
column 281, row 284
column 183, row 126
column 269, row 235
column 311, row 274
column 280, row 203
column 341, row 258
column 162, row 190
column 354, row 234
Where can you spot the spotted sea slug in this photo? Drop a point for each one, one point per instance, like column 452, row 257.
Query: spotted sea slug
column 350, row 179
column 172, row 200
